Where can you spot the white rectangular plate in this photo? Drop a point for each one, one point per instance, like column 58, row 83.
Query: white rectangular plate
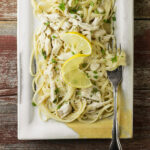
column 29, row 124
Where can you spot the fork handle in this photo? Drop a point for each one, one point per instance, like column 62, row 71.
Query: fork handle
column 115, row 143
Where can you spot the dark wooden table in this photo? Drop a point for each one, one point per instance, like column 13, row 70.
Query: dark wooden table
column 8, row 87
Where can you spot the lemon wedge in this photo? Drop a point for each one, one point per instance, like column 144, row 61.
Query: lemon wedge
column 77, row 42
column 71, row 73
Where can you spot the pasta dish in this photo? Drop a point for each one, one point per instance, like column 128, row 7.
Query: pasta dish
column 70, row 59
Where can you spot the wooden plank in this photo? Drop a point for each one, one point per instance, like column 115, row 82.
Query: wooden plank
column 77, row 145
column 8, row 9
column 8, row 62
column 142, row 9
column 8, row 28
column 142, row 44
column 142, row 78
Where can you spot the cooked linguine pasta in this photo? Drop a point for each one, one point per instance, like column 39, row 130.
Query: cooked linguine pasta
column 55, row 98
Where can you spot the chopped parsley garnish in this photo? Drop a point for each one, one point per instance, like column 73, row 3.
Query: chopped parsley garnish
column 95, row 72
column 73, row 53
column 82, row 15
column 55, row 100
column 62, row 6
column 53, row 61
column 59, row 106
column 44, row 54
column 54, row 37
column 75, row 16
column 55, row 68
column 107, row 21
column 96, row 77
column 76, row 2
column 114, row 18
column 84, row 65
column 94, row 90
column 56, row 91
column 87, row 75
column 94, row 83
column 114, row 59
column 92, row 3
column 102, row 13
column 96, row 11
column 78, row 93
column 73, row 10
column 33, row 104
column 47, row 23
column 103, row 51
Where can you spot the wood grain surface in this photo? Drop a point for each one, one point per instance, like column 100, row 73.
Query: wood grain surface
column 8, row 87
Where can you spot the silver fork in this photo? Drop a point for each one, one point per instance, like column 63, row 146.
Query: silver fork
column 115, row 78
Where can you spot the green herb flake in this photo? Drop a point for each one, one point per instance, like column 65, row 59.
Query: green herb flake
column 103, row 51
column 92, row 3
column 59, row 106
column 62, row 6
column 55, row 101
column 82, row 15
column 47, row 23
column 114, row 18
column 44, row 54
column 96, row 77
column 93, row 82
column 73, row 10
column 96, row 11
column 84, row 65
column 95, row 72
column 53, row 61
column 87, row 75
column 33, row 104
column 56, row 91
column 114, row 59
column 94, row 90
column 75, row 16
column 54, row 37
column 78, row 92
column 73, row 53
column 107, row 21
column 76, row 2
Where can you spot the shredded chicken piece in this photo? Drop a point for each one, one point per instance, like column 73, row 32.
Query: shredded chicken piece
column 52, row 83
column 64, row 110
column 100, row 9
column 66, row 26
column 47, row 46
column 99, row 33
column 84, row 26
column 57, row 44
column 48, row 32
column 65, row 56
column 53, row 17
column 94, row 106
column 41, row 39
column 97, row 21
column 94, row 66
column 88, row 93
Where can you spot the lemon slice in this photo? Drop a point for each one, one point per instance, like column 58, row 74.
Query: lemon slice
column 71, row 73
column 78, row 42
